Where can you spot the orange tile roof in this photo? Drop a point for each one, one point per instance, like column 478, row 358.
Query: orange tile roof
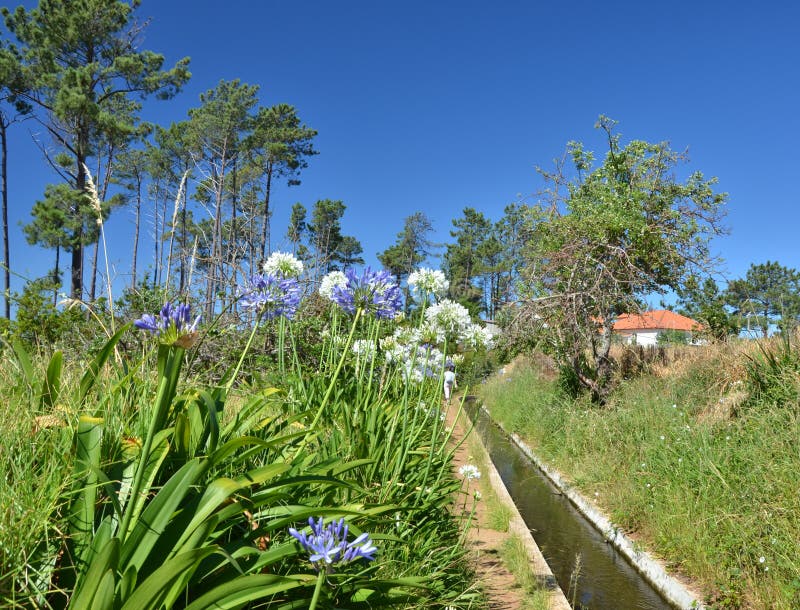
column 660, row 319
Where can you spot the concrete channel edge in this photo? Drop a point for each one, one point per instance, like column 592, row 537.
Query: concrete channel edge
column 653, row 571
column 556, row 598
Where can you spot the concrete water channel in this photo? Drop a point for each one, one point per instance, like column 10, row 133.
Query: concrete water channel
column 605, row 580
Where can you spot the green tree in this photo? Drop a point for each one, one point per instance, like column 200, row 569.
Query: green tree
column 705, row 302
column 217, row 129
column 12, row 109
column 412, row 248
column 768, row 294
column 297, row 226
column 79, row 57
column 611, row 236
column 462, row 259
column 279, row 145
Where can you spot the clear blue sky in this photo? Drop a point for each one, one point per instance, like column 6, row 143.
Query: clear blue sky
column 435, row 106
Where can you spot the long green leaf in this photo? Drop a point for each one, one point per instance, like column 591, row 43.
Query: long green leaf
column 90, row 376
column 246, row 589
column 156, row 516
column 87, row 462
column 51, row 385
column 24, row 361
column 89, row 586
column 151, row 592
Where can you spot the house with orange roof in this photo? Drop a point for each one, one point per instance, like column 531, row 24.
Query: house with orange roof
column 644, row 328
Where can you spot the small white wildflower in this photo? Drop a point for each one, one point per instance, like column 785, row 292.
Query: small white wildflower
column 469, row 472
column 477, row 495
column 643, row 464
column 283, row 263
column 334, row 278
column 648, row 486
column 680, row 460
column 674, row 406
column 661, row 437
column 762, row 559
column 727, row 438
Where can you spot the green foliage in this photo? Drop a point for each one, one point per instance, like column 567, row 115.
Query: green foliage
column 622, row 230
column 672, row 337
column 181, row 494
column 80, row 64
column 707, row 304
column 768, row 294
column 711, row 492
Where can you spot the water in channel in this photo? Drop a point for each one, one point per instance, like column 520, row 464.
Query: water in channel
column 606, row 581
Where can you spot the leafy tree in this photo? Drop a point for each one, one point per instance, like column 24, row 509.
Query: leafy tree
column 12, row 109
column 412, row 248
column 79, row 58
column 217, row 129
column 610, row 236
column 705, row 303
column 279, row 145
column 768, row 294
column 297, row 226
column 462, row 259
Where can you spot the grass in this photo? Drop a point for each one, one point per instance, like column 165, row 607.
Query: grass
column 515, row 557
column 695, row 458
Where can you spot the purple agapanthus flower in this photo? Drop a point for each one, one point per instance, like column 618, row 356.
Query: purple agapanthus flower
column 177, row 317
column 374, row 292
column 272, row 295
column 327, row 545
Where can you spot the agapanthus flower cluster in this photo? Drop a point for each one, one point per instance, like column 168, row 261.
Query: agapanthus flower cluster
column 175, row 318
column 271, row 295
column 283, row 264
column 415, row 359
column 469, row 472
column 428, row 282
column 477, row 337
column 374, row 292
column 449, row 316
column 334, row 278
column 328, row 547
column 364, row 348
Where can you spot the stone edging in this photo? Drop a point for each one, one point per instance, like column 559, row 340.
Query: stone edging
column 651, row 569
column 516, row 525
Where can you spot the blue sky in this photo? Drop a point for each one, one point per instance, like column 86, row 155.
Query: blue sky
column 435, row 106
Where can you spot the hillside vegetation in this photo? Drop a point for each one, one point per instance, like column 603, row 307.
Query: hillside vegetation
column 697, row 458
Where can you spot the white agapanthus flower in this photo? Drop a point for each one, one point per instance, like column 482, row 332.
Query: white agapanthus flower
column 477, row 337
column 334, row 278
column 469, row 472
column 364, row 348
column 283, row 263
column 449, row 316
column 428, row 281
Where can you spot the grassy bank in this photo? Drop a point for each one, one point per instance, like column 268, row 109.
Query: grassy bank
column 697, row 459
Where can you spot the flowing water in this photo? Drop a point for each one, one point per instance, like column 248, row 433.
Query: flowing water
column 605, row 580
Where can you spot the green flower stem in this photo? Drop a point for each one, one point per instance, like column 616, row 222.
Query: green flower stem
column 317, row 590
column 331, row 385
column 170, row 359
column 281, row 343
column 244, row 353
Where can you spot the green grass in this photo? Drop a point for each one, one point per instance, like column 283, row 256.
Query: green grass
column 712, row 494
column 515, row 557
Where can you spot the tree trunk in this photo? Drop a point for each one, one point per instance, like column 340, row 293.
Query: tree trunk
column 136, row 230
column 56, row 276
column 76, row 247
column 6, row 260
column 265, row 235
